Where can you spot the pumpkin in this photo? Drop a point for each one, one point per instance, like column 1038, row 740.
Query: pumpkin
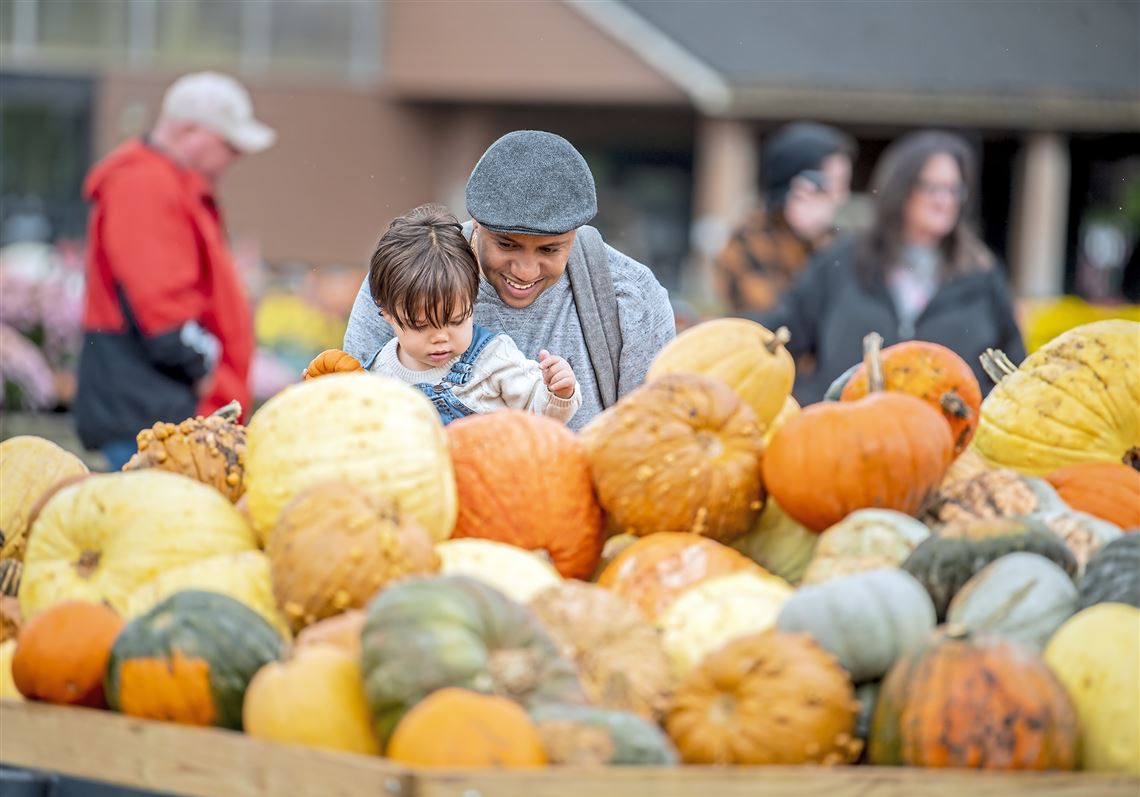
column 315, row 698
column 62, row 653
column 710, row 614
column 966, row 465
column 28, row 466
column 211, row 450
column 336, row 545
column 10, row 618
column 1074, row 400
column 1082, row 534
column 524, row 479
column 779, row 544
column 867, row 539
column 680, row 453
column 103, row 537
column 752, row 361
column 1094, row 654
column 866, row 620
column 371, row 431
column 932, row 373
column 1108, row 490
column 244, row 576
column 999, row 492
column 429, row 633
column 770, row 698
column 339, row 631
column 8, row 690
column 1113, row 574
column 868, row 696
column 518, row 574
column 887, row 451
column 189, row 660
column 589, row 736
column 1022, row 596
column 653, row 571
column 945, row 562
column 620, row 658
column 979, row 702
column 460, row 728
column 331, row 361
column 790, row 409
column 612, row 550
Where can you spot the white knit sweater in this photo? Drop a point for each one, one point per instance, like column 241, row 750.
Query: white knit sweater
column 501, row 378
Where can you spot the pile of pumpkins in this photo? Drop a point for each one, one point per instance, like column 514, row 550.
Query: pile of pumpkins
column 902, row 574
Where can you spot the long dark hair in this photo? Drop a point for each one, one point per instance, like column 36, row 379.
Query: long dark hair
column 895, row 178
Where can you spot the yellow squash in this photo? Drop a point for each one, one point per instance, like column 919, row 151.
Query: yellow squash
column 29, row 465
column 1076, row 399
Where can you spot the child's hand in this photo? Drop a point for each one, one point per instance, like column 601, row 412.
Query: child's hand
column 557, row 374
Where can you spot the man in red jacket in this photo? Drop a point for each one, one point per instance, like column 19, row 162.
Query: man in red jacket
column 167, row 324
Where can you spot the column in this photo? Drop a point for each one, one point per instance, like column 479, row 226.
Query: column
column 1040, row 217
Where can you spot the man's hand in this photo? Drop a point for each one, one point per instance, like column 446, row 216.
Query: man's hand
column 557, row 374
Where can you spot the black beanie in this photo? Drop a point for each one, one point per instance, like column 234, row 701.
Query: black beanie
column 794, row 149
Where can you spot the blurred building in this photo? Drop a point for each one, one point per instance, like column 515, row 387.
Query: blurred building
column 384, row 105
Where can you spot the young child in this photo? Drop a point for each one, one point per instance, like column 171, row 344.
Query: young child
column 424, row 278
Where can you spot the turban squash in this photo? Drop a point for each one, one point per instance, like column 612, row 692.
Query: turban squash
column 1074, row 400
column 332, row 361
column 525, row 480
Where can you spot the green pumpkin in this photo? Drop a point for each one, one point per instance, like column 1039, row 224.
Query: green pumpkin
column 189, row 660
column 588, row 736
column 944, row 562
column 868, row 696
column 429, row 633
column 1113, row 573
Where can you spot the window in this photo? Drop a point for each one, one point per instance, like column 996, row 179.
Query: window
column 193, row 32
column 312, row 34
column 80, row 29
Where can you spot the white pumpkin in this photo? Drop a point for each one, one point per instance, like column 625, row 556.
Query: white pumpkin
column 866, row 620
column 1096, row 655
column 371, row 431
column 1021, row 596
column 778, row 543
column 102, row 538
column 715, row 612
column 244, row 576
column 517, row 573
column 867, row 539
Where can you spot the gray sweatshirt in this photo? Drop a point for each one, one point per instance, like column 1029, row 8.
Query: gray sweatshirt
column 551, row 322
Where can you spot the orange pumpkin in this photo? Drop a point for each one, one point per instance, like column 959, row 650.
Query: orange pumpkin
column 979, row 702
column 335, row 545
column 1108, row 490
column 331, row 361
column 61, row 655
column 525, row 480
column 454, row 727
column 680, row 453
column 340, row 631
column 932, row 373
column 885, row 451
column 768, row 698
column 653, row 571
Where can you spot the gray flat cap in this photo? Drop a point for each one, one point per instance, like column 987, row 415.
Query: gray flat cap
column 531, row 183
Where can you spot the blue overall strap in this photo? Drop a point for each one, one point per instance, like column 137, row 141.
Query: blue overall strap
column 461, row 370
column 371, row 360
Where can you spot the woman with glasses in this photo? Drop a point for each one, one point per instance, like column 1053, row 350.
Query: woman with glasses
column 919, row 273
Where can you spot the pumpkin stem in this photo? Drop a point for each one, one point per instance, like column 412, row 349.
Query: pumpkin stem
column 231, row 412
column 996, row 365
column 779, row 338
column 1132, row 458
column 873, row 361
column 953, row 405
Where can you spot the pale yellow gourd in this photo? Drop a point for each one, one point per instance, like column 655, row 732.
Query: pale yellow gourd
column 517, row 573
column 370, row 431
column 29, row 465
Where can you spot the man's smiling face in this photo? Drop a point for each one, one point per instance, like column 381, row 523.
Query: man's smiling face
column 520, row 267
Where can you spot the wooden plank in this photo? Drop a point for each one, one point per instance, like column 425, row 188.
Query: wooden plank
column 195, row 762
column 770, row 782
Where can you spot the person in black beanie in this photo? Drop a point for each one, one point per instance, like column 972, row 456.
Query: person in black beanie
column 805, row 176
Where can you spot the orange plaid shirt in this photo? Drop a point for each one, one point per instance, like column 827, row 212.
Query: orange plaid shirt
column 758, row 263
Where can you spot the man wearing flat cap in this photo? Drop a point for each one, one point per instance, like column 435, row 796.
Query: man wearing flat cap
column 167, row 327
column 548, row 279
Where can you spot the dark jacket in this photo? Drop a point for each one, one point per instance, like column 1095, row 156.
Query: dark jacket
column 164, row 308
column 830, row 308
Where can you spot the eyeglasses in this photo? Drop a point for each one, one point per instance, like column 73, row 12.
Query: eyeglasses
column 956, row 191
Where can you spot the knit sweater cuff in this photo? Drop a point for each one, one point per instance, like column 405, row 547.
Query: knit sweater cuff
column 558, row 401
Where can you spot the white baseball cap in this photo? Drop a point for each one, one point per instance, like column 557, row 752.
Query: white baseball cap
column 219, row 103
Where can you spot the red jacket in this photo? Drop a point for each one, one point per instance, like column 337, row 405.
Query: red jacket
column 159, row 273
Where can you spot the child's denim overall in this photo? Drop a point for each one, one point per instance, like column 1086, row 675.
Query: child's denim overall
column 449, row 407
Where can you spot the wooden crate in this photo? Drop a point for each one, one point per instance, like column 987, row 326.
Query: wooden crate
column 199, row 762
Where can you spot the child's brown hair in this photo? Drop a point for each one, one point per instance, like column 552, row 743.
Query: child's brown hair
column 423, row 269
